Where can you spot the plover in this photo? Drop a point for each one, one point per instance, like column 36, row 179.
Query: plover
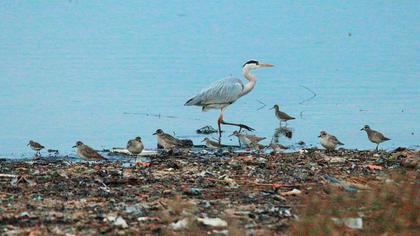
column 211, row 144
column 135, row 146
column 249, row 140
column 35, row 146
column 282, row 116
column 375, row 136
column 328, row 141
column 87, row 153
column 167, row 141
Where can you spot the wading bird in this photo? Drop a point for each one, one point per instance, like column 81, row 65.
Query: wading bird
column 328, row 141
column 282, row 116
column 224, row 92
column 375, row 136
column 87, row 153
column 35, row 146
column 135, row 146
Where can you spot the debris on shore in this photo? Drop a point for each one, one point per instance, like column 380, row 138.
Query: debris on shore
column 224, row 193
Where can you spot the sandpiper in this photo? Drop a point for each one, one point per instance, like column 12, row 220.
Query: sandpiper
column 211, row 144
column 135, row 146
column 375, row 136
column 328, row 141
column 167, row 141
column 87, row 153
column 35, row 146
column 249, row 139
column 277, row 147
column 282, row 116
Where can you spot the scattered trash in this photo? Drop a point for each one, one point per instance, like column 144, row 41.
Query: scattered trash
column 374, row 167
column 206, row 130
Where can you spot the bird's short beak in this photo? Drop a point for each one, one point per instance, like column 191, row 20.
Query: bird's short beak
column 154, row 133
column 266, row 65
column 362, row 129
column 319, row 136
column 230, row 135
column 203, row 140
column 74, row 146
column 272, row 108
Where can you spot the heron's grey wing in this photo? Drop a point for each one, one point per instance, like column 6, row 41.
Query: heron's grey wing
column 224, row 91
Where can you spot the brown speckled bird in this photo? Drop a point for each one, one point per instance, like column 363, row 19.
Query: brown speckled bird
column 35, row 146
column 375, row 136
column 282, row 116
column 87, row 153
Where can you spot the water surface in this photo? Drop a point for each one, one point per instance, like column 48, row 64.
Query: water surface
column 92, row 71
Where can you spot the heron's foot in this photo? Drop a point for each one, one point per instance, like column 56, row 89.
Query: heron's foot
column 242, row 126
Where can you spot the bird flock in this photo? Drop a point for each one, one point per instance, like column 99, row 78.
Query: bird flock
column 220, row 95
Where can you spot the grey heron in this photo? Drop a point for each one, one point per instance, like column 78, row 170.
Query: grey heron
column 224, row 92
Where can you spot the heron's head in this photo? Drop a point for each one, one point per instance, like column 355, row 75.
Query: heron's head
column 366, row 127
column 253, row 64
column 78, row 144
column 138, row 139
column 275, row 107
column 322, row 134
column 159, row 131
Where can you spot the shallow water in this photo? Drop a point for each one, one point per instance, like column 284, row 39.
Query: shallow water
column 103, row 73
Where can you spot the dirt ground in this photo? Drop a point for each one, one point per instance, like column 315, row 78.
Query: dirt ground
column 309, row 192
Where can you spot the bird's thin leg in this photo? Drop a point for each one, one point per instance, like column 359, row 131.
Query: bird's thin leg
column 219, row 121
column 377, row 147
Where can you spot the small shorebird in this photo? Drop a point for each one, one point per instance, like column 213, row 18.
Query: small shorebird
column 277, row 147
column 87, row 153
column 211, row 144
column 35, row 146
column 249, row 139
column 375, row 136
column 135, row 146
column 167, row 141
column 224, row 92
column 282, row 116
column 328, row 141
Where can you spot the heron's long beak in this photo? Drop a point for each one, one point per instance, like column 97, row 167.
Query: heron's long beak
column 266, row 65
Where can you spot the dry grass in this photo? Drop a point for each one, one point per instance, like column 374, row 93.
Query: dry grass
column 390, row 208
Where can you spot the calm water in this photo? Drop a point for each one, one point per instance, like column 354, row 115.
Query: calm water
column 91, row 71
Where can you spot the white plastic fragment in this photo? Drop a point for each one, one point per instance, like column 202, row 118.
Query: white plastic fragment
column 180, row 224
column 120, row 222
column 352, row 223
column 213, row 222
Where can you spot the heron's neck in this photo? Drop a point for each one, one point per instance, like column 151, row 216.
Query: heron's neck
column 252, row 81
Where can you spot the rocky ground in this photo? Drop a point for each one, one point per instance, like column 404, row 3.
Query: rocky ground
column 306, row 192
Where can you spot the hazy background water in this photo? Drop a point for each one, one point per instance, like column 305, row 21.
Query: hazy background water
column 72, row 70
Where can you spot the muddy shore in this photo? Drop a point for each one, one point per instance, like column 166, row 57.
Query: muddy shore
column 193, row 194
